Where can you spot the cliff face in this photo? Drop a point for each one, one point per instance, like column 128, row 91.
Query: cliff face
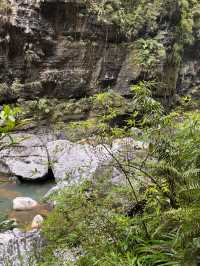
column 55, row 50
column 61, row 49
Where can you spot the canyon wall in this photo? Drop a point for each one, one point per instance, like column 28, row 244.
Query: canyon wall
column 60, row 49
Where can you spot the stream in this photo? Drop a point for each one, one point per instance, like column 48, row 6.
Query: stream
column 10, row 190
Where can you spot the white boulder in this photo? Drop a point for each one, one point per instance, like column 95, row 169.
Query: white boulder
column 73, row 162
column 26, row 157
column 24, row 204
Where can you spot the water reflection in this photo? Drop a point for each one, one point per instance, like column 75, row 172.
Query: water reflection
column 11, row 190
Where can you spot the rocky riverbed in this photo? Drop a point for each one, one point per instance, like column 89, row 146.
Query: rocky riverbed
column 31, row 159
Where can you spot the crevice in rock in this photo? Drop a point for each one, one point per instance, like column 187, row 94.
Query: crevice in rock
column 49, row 177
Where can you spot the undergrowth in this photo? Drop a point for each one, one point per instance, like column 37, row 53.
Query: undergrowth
column 155, row 221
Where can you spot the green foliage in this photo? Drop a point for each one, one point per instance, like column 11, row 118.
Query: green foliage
column 163, row 226
column 104, row 112
column 8, row 119
column 160, row 52
column 151, row 54
column 10, row 92
column 131, row 16
column 109, row 108
column 188, row 10
column 135, row 16
column 91, row 216
column 6, row 224
column 147, row 110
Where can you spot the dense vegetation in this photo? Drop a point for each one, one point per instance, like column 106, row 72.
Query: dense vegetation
column 154, row 220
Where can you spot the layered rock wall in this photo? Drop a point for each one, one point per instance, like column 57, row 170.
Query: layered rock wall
column 55, row 50
column 60, row 49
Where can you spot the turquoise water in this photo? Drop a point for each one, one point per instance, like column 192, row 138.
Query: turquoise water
column 9, row 191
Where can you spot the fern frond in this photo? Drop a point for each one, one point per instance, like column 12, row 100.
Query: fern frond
column 190, row 192
column 163, row 168
column 193, row 172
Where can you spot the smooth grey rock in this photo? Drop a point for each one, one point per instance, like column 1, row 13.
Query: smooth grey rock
column 27, row 158
column 20, row 249
column 24, row 204
column 74, row 162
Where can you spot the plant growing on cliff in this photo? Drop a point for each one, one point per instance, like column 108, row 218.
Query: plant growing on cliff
column 8, row 119
column 8, row 122
column 151, row 54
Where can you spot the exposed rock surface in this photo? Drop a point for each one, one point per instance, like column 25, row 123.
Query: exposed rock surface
column 71, row 162
column 24, row 204
column 20, row 249
column 60, row 53
column 64, row 51
column 27, row 158
column 30, row 157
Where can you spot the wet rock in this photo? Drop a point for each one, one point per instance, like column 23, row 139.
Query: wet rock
column 20, row 249
column 130, row 72
column 37, row 222
column 24, row 204
column 24, row 156
column 65, row 51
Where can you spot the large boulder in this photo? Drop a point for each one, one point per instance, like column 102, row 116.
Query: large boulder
column 73, row 162
column 20, row 249
column 26, row 157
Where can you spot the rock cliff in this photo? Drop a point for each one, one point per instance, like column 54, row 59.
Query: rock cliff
column 55, row 50
column 62, row 49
